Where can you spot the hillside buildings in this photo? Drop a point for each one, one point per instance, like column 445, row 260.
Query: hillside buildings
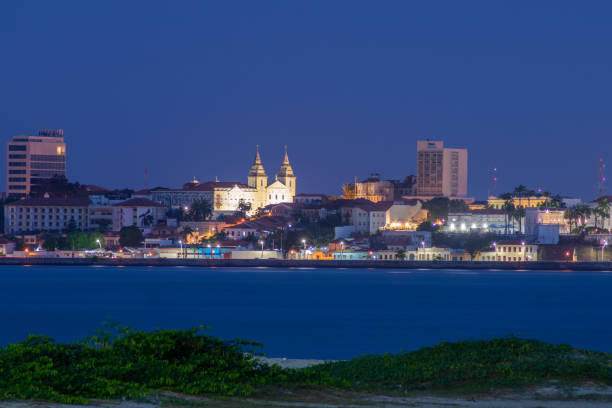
column 441, row 171
column 32, row 159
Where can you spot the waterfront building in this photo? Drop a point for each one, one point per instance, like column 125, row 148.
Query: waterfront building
column 225, row 197
column 515, row 251
column 7, row 247
column 368, row 217
column 441, row 171
column 49, row 214
column 32, row 159
column 486, row 220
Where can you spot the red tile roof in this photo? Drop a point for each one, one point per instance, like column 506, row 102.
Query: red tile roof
column 138, row 202
column 53, row 202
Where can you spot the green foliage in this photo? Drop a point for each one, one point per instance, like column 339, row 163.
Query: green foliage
column 129, row 364
column 439, row 207
column 123, row 363
column 130, row 236
column 198, row 210
column 74, row 241
column 476, row 365
column 401, row 254
column 472, row 242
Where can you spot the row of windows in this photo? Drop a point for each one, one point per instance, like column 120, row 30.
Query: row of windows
column 16, row 187
column 17, row 179
column 515, row 249
column 49, row 217
column 17, row 164
column 50, row 210
column 17, row 156
column 17, row 148
column 17, row 172
column 43, row 165
column 48, row 157
column 46, row 173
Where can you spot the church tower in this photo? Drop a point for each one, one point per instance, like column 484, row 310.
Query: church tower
column 285, row 174
column 258, row 180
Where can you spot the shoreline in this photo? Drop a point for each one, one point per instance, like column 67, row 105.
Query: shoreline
column 282, row 263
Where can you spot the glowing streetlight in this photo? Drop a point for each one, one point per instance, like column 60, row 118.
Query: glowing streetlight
column 99, row 243
column 524, row 252
column 181, row 242
column 262, row 247
column 603, row 246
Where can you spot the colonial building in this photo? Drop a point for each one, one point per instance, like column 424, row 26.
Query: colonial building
column 46, row 214
column 226, row 196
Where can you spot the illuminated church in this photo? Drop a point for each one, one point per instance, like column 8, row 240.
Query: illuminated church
column 225, row 196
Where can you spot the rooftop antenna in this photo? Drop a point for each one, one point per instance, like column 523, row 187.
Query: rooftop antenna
column 601, row 178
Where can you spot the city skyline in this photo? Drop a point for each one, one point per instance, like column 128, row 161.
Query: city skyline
column 190, row 90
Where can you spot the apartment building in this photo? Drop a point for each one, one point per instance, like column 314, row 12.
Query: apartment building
column 32, row 159
column 441, row 171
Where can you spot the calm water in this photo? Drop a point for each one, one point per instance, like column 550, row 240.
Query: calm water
column 318, row 313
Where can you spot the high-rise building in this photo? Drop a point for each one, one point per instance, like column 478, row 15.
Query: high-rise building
column 32, row 159
column 441, row 171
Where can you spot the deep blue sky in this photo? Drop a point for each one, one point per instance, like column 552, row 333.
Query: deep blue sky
column 187, row 88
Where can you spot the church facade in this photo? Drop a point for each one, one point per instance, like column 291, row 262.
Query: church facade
column 225, row 196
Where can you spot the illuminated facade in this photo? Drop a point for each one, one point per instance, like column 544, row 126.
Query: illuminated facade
column 526, row 202
column 32, row 159
column 441, row 171
column 226, row 196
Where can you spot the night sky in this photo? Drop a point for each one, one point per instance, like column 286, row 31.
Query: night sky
column 187, row 88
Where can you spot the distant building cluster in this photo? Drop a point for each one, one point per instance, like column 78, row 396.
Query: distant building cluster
column 441, row 172
column 422, row 217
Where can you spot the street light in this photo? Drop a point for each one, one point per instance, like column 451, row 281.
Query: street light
column 341, row 249
column 524, row 253
column 495, row 250
column 181, row 242
column 100, row 244
column 262, row 244
column 603, row 246
column 209, row 251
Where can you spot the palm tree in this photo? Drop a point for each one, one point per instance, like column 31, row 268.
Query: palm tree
column 582, row 213
column 603, row 210
column 518, row 214
column 571, row 214
column 509, row 210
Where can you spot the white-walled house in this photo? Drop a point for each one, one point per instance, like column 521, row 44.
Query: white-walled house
column 141, row 212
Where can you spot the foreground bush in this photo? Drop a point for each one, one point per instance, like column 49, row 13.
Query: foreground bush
column 130, row 365
column 133, row 364
column 474, row 365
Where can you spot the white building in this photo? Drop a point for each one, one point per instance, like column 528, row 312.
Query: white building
column 46, row 214
column 369, row 217
column 225, row 196
column 545, row 216
column 516, row 251
column 489, row 220
column 140, row 212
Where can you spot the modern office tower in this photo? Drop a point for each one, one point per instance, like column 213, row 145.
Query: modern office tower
column 32, row 159
column 441, row 171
